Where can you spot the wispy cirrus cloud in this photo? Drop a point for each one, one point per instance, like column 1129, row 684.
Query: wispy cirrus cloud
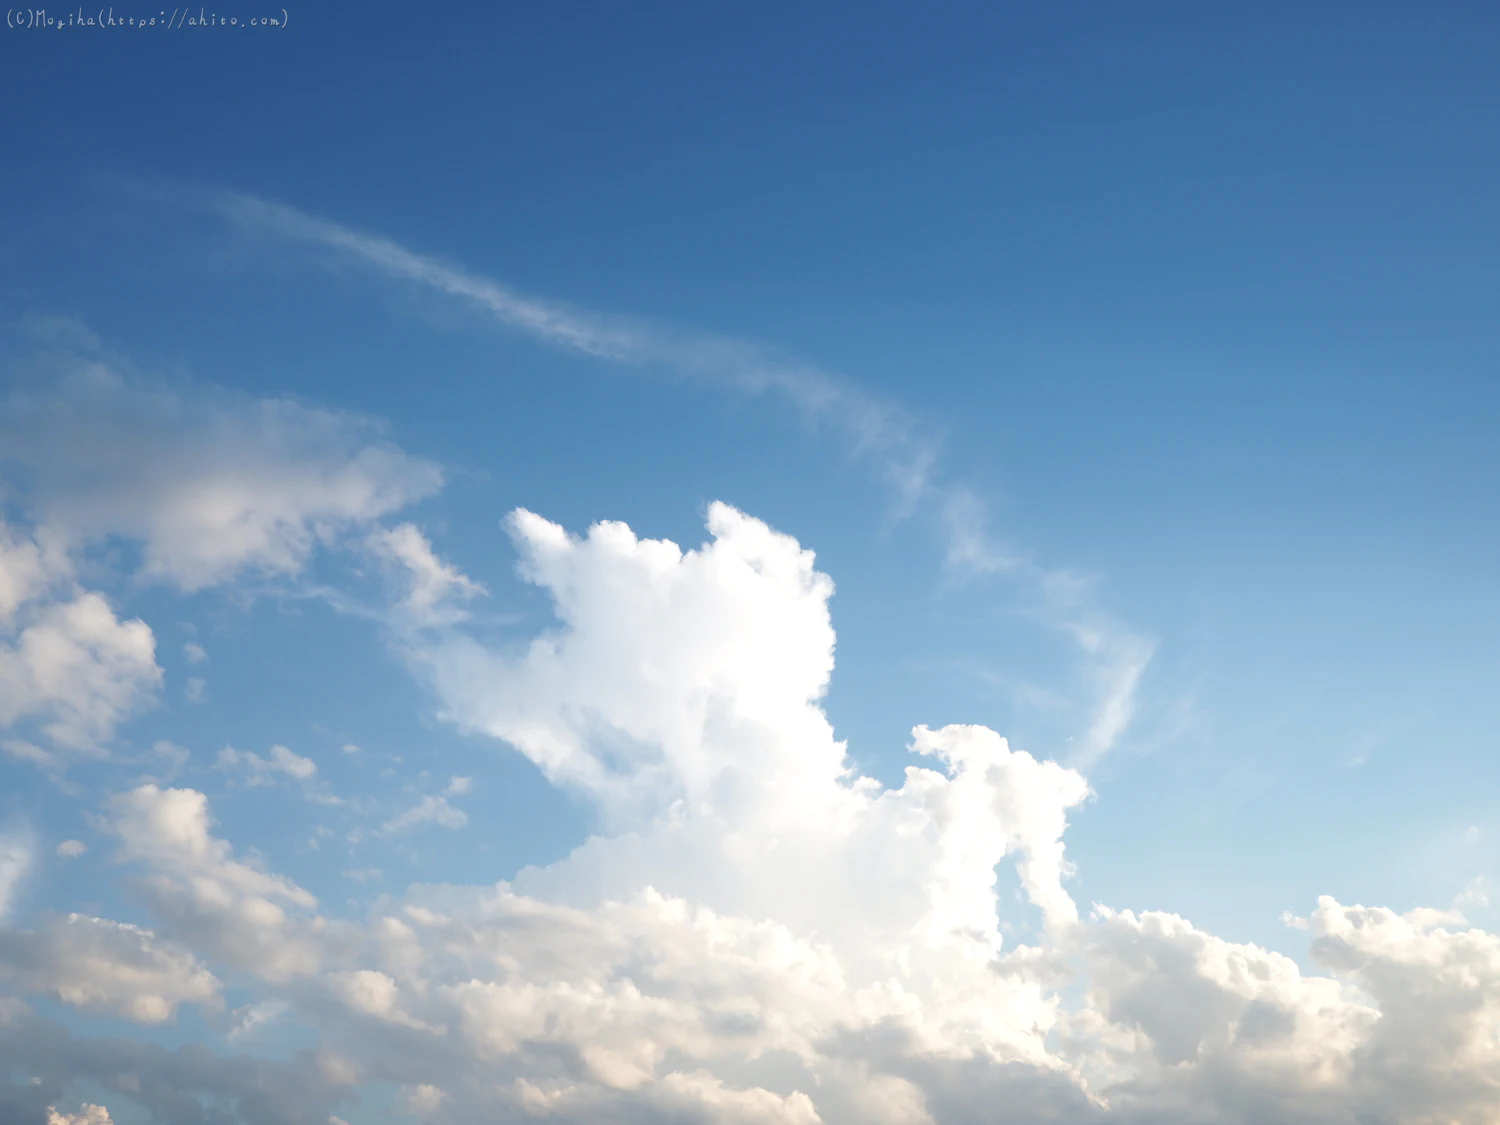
column 880, row 428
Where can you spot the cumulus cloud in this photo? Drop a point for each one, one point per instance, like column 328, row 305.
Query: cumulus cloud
column 77, row 670
column 213, row 902
column 1402, row 1029
column 88, row 1114
column 68, row 665
column 184, row 1084
column 26, row 569
column 766, row 936
column 106, row 966
column 760, row 936
column 211, row 484
column 662, row 661
column 71, row 849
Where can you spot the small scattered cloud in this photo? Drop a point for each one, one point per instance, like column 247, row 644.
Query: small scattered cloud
column 431, row 809
column 71, row 849
column 279, row 763
column 246, row 1020
column 432, row 590
column 194, row 653
column 1477, row 893
column 280, row 766
column 164, row 762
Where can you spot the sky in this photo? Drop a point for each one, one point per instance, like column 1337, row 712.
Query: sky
column 761, row 565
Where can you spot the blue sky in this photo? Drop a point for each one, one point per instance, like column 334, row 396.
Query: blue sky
column 1130, row 373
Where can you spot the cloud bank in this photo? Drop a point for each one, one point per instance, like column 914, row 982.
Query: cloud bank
column 757, row 935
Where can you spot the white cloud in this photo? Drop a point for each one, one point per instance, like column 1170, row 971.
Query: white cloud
column 1114, row 657
column 211, row 484
column 106, row 966
column 876, row 426
column 663, row 661
column 1116, row 660
column 422, row 1100
column 765, row 938
column 88, row 1114
column 66, row 661
column 431, row 809
column 78, row 671
column 279, row 766
column 1476, row 894
column 904, row 455
column 1402, row 1031
column 432, row 588
column 213, row 902
column 154, row 1083
column 758, row 902
column 692, row 1096
column 26, row 570
column 71, row 849
column 167, row 759
column 16, row 848
column 280, row 762
column 252, row 1016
